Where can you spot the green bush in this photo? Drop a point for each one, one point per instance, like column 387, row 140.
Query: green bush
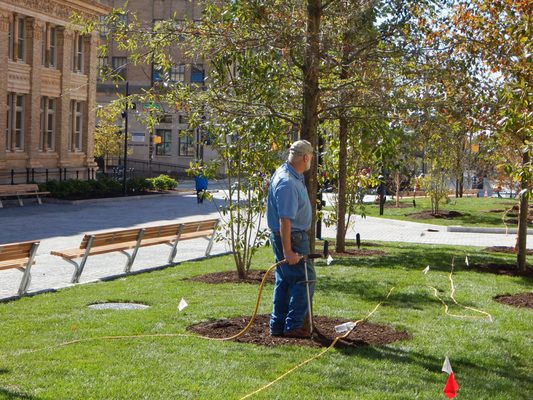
column 163, row 182
column 73, row 189
column 138, row 185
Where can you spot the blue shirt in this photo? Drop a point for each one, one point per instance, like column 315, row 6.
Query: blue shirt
column 288, row 198
column 201, row 182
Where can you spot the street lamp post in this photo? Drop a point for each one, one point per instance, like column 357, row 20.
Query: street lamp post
column 125, row 116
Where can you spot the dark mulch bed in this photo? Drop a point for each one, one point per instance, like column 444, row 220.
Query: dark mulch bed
column 255, row 276
column 402, row 205
column 503, row 269
column 522, row 300
column 357, row 252
column 363, row 335
column 506, row 249
column 440, row 214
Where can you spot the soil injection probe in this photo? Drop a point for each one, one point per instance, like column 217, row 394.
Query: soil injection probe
column 308, row 290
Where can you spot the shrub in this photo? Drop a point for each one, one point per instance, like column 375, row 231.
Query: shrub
column 163, row 182
column 138, row 185
column 73, row 189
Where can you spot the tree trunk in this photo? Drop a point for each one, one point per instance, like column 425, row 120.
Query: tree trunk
column 397, row 180
column 521, row 239
column 310, row 100
column 340, row 240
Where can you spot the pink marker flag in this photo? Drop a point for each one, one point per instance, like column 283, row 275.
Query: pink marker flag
column 451, row 387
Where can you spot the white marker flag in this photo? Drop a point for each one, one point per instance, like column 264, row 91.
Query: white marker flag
column 182, row 305
column 426, row 270
column 447, row 367
column 329, row 260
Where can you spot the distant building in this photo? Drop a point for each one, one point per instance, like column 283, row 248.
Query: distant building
column 171, row 146
column 47, row 89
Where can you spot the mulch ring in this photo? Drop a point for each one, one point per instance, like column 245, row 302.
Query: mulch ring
column 255, row 276
column 506, row 249
column 440, row 214
column 364, row 334
column 503, row 269
column 521, row 300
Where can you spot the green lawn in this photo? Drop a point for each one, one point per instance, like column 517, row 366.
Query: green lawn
column 491, row 360
column 481, row 212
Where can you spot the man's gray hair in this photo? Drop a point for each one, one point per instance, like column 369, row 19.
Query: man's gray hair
column 299, row 148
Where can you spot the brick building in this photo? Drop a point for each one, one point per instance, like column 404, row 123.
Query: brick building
column 175, row 145
column 47, row 88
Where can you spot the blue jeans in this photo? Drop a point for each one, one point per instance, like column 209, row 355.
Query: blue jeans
column 290, row 292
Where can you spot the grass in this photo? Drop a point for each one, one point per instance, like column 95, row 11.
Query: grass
column 491, row 360
column 476, row 211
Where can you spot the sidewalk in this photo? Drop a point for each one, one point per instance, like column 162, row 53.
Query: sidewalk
column 61, row 226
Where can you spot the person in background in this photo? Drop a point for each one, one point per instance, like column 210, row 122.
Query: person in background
column 201, row 187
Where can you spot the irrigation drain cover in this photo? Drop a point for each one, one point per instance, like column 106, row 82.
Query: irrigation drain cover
column 118, row 306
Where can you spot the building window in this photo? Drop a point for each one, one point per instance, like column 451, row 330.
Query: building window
column 103, row 63
column 158, row 74
column 186, row 147
column 78, row 53
column 197, row 73
column 183, row 119
column 21, row 36
column 49, row 46
column 9, row 120
column 76, row 125
column 165, row 119
column 103, row 27
column 43, row 46
column 52, row 60
column 177, row 73
column 119, row 66
column 15, row 122
column 48, row 123
column 164, row 148
column 10, row 40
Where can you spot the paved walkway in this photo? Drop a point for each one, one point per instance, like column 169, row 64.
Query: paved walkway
column 61, row 226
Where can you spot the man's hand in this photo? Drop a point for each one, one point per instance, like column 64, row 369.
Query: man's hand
column 292, row 258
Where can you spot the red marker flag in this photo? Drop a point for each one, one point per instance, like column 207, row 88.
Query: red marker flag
column 451, row 387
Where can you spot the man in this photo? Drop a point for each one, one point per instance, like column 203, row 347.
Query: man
column 289, row 219
column 201, row 187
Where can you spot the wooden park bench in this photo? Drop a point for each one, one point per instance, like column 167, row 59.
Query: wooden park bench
column 20, row 256
column 470, row 192
column 133, row 239
column 411, row 193
column 20, row 191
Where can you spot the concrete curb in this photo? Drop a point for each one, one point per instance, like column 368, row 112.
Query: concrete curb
column 512, row 231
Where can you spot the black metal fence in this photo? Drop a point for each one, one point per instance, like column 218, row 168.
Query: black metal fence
column 40, row 175
column 149, row 169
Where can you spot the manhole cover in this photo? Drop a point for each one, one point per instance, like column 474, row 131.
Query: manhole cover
column 118, row 306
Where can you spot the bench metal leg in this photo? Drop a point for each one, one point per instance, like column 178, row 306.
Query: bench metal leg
column 79, row 267
column 20, row 201
column 38, row 199
column 131, row 258
column 26, row 278
column 173, row 251
column 211, row 240
column 1, row 205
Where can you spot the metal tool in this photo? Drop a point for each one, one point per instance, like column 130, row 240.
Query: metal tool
column 308, row 290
